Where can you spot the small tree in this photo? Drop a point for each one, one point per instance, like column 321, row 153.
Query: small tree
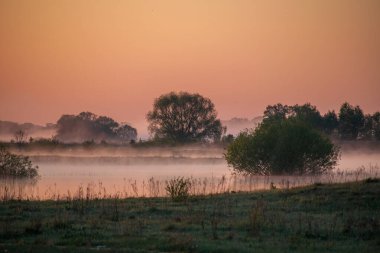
column 16, row 166
column 184, row 117
column 20, row 136
column 284, row 147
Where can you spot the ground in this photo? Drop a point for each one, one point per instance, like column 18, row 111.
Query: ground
column 317, row 218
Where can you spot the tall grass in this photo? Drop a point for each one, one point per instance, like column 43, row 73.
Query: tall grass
column 14, row 189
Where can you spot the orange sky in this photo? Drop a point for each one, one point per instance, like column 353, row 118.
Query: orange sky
column 114, row 57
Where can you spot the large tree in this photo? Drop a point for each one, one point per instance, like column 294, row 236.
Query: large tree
column 284, row 147
column 184, row 117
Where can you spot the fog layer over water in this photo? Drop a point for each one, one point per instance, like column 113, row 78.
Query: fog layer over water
column 144, row 172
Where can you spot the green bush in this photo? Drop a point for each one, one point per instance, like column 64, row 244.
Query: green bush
column 16, row 166
column 178, row 188
column 282, row 147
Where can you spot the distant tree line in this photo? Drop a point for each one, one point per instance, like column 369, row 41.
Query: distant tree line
column 184, row 117
column 350, row 123
column 88, row 127
column 8, row 128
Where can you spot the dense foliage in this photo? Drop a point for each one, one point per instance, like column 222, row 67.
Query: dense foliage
column 87, row 126
column 282, row 147
column 184, row 117
column 16, row 166
column 351, row 121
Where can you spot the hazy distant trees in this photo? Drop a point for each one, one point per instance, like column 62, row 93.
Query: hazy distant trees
column 184, row 117
column 283, row 147
column 11, row 130
column 227, row 139
column 236, row 125
column 126, row 133
column 87, row 126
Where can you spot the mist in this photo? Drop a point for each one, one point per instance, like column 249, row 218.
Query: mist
column 236, row 125
column 130, row 171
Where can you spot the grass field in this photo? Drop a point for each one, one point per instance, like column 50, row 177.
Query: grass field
column 317, row 218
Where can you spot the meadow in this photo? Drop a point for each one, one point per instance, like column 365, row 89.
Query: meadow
column 316, row 218
column 84, row 202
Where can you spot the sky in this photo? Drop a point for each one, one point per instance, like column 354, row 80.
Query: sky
column 115, row 57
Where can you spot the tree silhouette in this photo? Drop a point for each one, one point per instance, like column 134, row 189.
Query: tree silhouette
column 184, row 117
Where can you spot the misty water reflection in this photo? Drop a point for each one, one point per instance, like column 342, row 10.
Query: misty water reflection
column 135, row 177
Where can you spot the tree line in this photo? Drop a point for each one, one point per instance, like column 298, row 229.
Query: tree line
column 350, row 123
column 290, row 140
column 184, row 117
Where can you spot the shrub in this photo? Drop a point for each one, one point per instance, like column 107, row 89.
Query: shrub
column 178, row 188
column 16, row 166
column 282, row 147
